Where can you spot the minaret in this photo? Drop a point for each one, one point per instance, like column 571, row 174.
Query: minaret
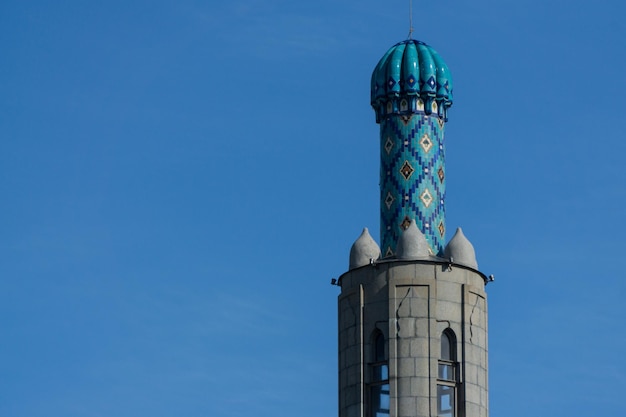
column 411, row 94
column 412, row 320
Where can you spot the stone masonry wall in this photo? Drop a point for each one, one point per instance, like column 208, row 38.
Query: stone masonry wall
column 412, row 303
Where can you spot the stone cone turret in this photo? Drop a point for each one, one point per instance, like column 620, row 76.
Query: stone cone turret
column 364, row 250
column 460, row 250
column 412, row 243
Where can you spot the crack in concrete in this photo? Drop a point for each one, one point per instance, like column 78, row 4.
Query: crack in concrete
column 472, row 320
column 398, row 312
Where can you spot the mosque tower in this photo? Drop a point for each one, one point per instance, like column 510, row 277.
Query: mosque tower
column 412, row 319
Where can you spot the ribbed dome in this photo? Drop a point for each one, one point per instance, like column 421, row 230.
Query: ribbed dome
column 364, row 250
column 412, row 68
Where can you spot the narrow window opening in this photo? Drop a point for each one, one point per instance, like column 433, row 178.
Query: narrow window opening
column 379, row 387
column 447, row 376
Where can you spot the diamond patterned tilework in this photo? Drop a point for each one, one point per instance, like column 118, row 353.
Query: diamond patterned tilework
column 389, row 201
column 406, row 170
column 388, row 145
column 426, row 198
column 426, row 143
column 412, row 178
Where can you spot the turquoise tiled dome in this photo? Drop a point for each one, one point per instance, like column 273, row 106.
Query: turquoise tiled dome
column 412, row 68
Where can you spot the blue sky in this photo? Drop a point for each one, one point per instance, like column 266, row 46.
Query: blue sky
column 181, row 181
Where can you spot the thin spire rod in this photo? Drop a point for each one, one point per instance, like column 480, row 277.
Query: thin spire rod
column 410, row 19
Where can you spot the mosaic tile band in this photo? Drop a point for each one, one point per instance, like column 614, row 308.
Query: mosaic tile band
column 412, row 177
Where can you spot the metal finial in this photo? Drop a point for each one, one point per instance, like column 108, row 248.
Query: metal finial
column 410, row 19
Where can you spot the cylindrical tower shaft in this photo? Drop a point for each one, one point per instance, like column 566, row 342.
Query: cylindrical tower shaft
column 412, row 177
column 415, row 308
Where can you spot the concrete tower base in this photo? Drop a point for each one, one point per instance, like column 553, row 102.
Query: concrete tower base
column 413, row 304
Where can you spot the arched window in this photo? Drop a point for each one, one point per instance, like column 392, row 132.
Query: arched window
column 447, row 377
column 379, row 386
